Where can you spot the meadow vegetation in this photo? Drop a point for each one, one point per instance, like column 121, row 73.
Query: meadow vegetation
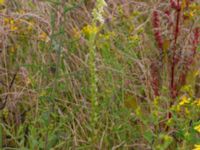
column 99, row 74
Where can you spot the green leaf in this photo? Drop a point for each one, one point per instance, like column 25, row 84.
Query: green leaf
column 149, row 136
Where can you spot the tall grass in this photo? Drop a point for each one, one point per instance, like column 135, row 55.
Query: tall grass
column 79, row 75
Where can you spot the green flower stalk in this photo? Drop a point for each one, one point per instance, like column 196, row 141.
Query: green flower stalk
column 97, row 17
column 93, row 76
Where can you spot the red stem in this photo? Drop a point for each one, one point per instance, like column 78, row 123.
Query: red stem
column 174, row 57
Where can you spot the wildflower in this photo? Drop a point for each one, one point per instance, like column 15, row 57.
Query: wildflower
column 197, row 102
column 13, row 28
column 105, row 36
column 138, row 111
column 184, row 101
column 134, row 38
column 156, row 101
column 197, row 128
column 11, row 24
column 98, row 11
column 120, row 10
column 6, row 20
column 191, row 14
column 194, row 7
column 197, row 73
column 174, row 5
column 2, row 2
column 157, row 32
column 89, row 30
column 196, row 147
column 178, row 108
column 135, row 13
column 170, row 121
column 168, row 138
column 140, row 30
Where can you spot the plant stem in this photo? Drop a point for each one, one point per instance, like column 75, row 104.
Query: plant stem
column 174, row 57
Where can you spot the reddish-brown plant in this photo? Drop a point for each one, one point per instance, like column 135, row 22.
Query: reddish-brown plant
column 175, row 56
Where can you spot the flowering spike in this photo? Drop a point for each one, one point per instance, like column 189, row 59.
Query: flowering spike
column 175, row 5
column 155, row 78
column 156, row 27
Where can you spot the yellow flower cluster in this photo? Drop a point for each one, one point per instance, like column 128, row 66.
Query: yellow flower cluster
column 184, row 101
column 196, row 147
column 2, row 2
column 194, row 7
column 21, row 25
column 11, row 23
column 107, row 36
column 24, row 26
column 135, row 13
column 197, row 102
column 134, row 38
column 187, row 105
column 197, row 128
column 89, row 30
column 168, row 138
column 193, row 11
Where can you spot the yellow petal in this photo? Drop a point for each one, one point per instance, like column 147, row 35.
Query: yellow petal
column 2, row 2
column 196, row 147
column 197, row 128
